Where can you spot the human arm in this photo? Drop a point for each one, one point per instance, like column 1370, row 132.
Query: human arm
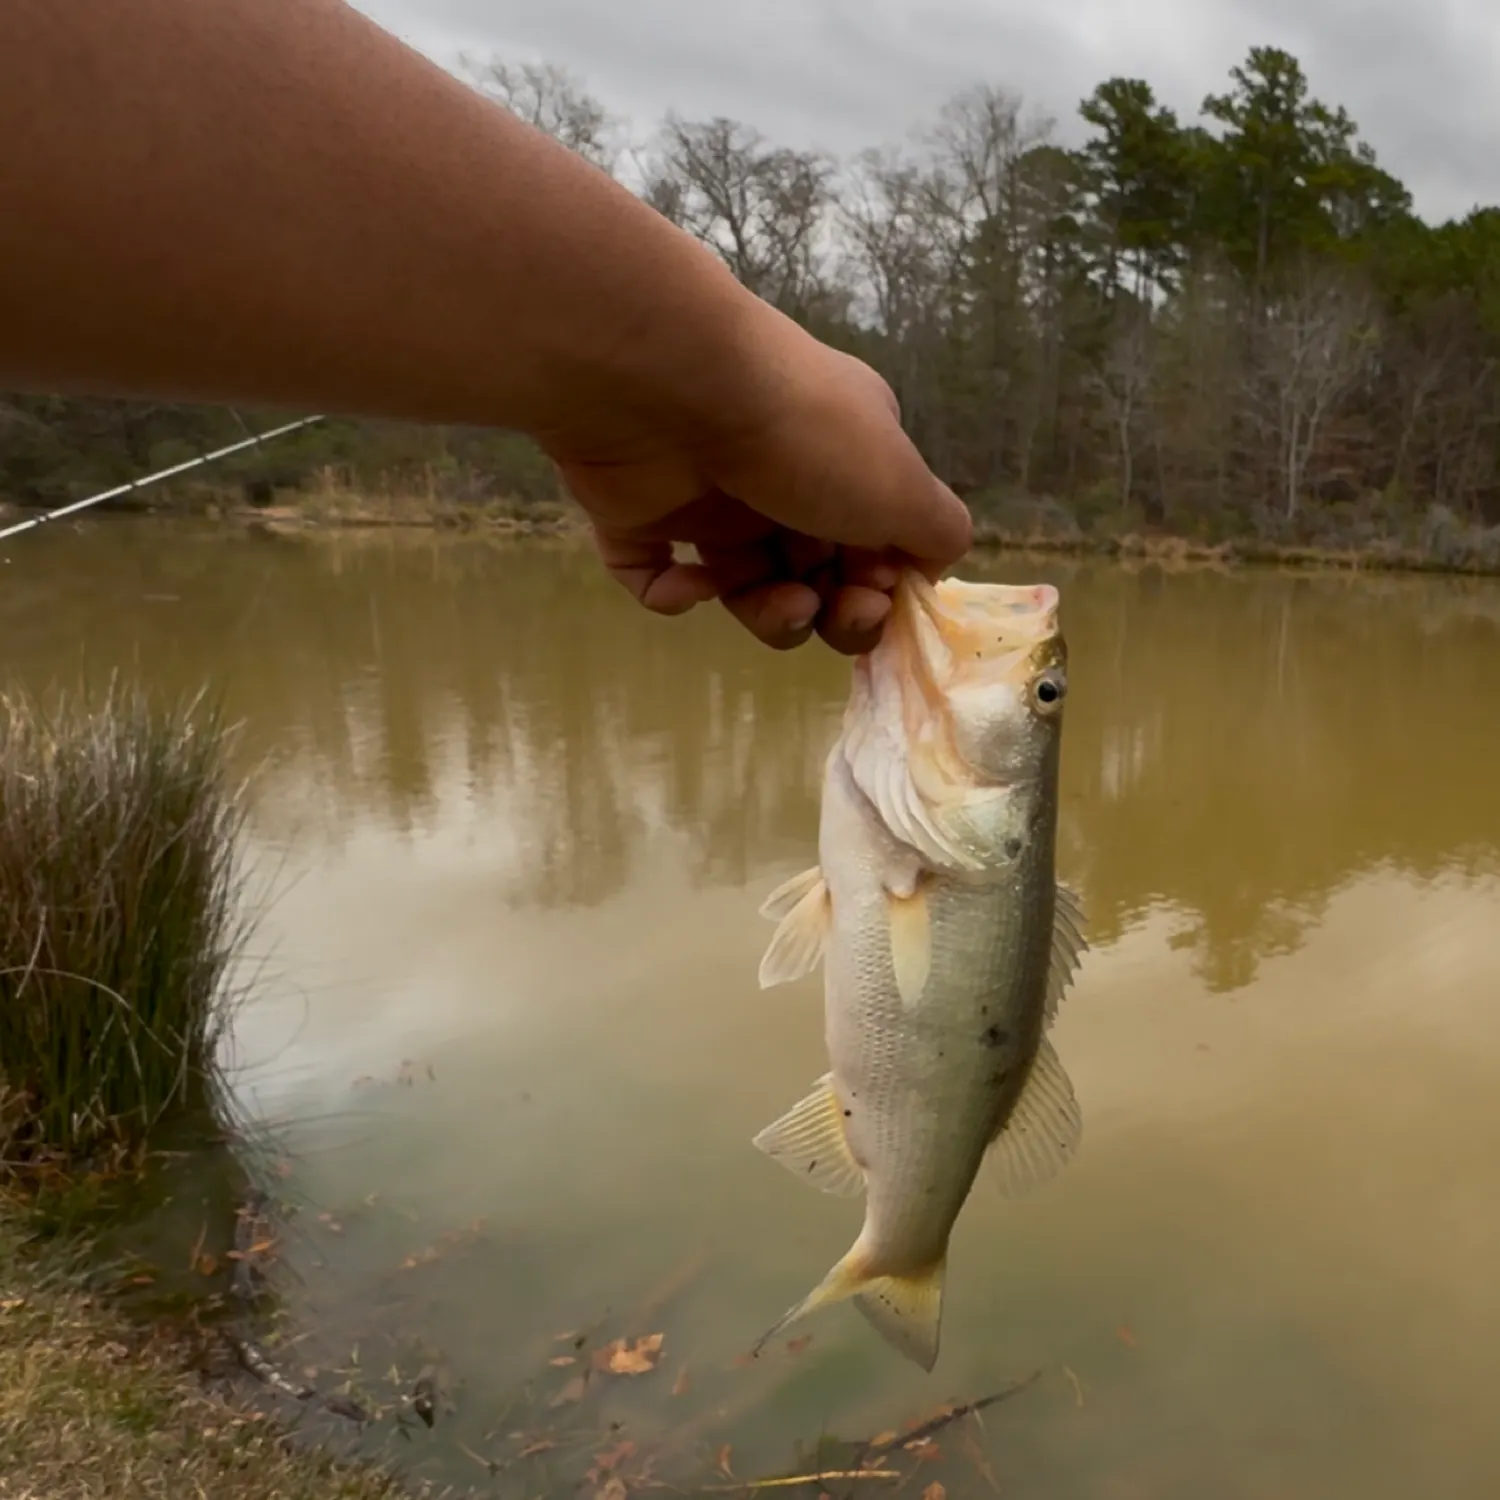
column 275, row 201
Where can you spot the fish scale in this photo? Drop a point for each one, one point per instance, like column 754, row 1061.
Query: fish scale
column 945, row 943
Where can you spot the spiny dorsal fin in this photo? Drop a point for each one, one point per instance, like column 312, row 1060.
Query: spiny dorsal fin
column 1041, row 1135
column 809, row 1140
column 802, row 910
column 1068, row 948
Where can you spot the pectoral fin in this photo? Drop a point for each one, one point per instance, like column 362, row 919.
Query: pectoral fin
column 911, row 943
column 1041, row 1135
column 1068, row 947
column 809, row 1140
column 802, row 910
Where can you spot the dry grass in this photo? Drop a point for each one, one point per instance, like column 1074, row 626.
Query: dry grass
column 93, row 1407
column 330, row 504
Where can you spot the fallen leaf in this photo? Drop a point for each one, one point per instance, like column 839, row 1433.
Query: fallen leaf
column 10, row 1304
column 611, row 1458
column 797, row 1345
column 613, row 1488
column 563, row 1359
column 541, row 1445
column 882, row 1439
column 934, row 1491
column 681, row 1383
column 723, row 1462
column 925, row 1449
column 572, row 1391
column 624, row 1358
column 207, row 1265
column 1126, row 1335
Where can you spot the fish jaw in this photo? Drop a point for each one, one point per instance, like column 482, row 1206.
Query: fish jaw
column 957, row 705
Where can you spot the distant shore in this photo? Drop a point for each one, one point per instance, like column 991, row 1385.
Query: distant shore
column 564, row 520
column 1465, row 554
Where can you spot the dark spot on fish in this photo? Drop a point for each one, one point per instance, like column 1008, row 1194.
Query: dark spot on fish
column 812, row 1165
column 1012, row 847
column 996, row 1079
column 848, row 1113
column 995, row 1036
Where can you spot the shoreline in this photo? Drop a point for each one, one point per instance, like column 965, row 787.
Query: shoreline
column 339, row 512
column 96, row 1402
column 563, row 522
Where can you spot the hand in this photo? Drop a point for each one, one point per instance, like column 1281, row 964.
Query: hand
column 801, row 515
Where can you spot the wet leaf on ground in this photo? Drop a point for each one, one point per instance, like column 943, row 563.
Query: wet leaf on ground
column 622, row 1357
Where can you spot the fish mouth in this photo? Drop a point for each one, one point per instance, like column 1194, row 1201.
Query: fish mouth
column 992, row 630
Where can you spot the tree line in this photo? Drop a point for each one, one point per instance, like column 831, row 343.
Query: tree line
column 1228, row 326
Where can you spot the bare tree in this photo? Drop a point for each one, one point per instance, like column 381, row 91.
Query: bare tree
column 553, row 100
column 1314, row 344
column 763, row 209
column 1121, row 376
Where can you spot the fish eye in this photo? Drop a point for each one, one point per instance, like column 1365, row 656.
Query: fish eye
column 1049, row 690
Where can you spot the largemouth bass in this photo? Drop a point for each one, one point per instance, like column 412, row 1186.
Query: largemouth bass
column 946, row 943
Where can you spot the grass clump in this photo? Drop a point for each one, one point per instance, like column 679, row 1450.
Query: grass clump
column 119, row 918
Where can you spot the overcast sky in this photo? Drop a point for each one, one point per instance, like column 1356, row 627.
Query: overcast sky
column 1421, row 77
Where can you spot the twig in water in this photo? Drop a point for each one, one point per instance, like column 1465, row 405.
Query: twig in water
column 792, row 1479
column 963, row 1409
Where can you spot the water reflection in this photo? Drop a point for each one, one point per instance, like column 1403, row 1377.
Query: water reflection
column 1238, row 746
column 524, row 817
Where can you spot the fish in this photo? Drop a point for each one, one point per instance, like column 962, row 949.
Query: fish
column 946, row 942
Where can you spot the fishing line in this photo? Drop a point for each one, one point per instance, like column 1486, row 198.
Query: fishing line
column 135, row 484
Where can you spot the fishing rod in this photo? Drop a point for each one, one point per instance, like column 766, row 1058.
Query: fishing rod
column 136, row 484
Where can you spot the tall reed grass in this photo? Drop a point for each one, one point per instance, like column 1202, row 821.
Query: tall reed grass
column 120, row 918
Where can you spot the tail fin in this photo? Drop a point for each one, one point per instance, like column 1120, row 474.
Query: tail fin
column 906, row 1311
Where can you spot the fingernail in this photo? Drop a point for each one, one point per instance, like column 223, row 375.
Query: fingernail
column 799, row 623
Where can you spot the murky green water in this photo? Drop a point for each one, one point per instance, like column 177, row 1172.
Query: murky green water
column 508, row 1023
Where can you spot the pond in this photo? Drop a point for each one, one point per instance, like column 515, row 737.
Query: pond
column 505, row 1030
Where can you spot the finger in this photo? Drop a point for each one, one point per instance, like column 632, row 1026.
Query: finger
column 781, row 613
column 753, row 584
column 652, row 575
column 868, row 569
column 853, row 619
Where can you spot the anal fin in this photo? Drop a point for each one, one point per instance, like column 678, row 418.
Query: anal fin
column 1042, row 1133
column 802, row 910
column 809, row 1140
